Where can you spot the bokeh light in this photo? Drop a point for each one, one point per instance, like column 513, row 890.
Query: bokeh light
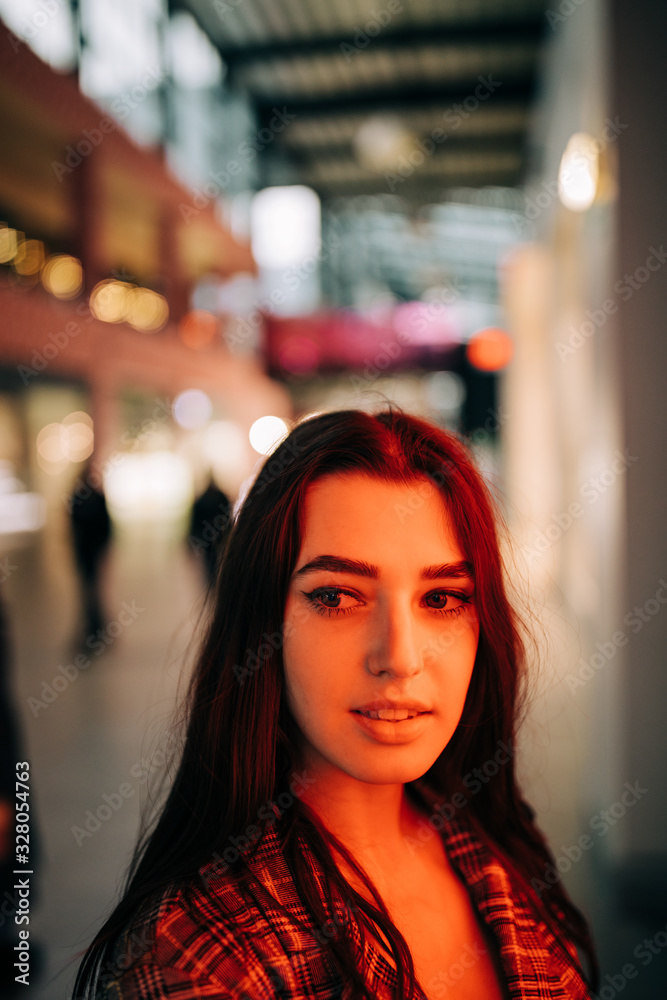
column 285, row 225
column 109, row 300
column 62, row 276
column 192, row 409
column 29, row 257
column 266, row 433
column 381, row 141
column 79, row 436
column 197, row 329
column 60, row 444
column 445, row 390
column 224, row 447
column 147, row 310
column 298, row 355
column 578, row 172
column 8, row 244
column 154, row 484
column 115, row 301
column 490, row 350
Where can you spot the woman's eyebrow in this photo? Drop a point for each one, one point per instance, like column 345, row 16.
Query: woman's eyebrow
column 337, row 564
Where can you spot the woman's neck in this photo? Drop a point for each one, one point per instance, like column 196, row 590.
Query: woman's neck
column 372, row 821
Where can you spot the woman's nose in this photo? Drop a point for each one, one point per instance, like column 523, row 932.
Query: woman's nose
column 394, row 646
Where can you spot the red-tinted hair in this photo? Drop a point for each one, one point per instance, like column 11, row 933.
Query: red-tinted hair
column 238, row 690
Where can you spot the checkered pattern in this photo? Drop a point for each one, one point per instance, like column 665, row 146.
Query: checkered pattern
column 232, row 942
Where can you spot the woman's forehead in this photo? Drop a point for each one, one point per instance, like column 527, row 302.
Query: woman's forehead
column 359, row 509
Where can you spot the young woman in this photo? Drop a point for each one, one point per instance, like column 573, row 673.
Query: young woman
column 345, row 820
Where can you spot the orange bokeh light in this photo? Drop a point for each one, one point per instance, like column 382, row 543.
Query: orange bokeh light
column 197, row 329
column 490, row 350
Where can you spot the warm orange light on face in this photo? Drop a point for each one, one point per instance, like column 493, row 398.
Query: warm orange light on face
column 380, row 616
column 490, row 350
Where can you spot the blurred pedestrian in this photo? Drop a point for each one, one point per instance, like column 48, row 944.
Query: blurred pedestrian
column 91, row 531
column 209, row 526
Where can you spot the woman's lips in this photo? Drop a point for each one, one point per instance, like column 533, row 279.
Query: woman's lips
column 401, row 727
column 389, row 714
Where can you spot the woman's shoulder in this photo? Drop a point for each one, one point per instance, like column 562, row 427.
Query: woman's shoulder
column 226, row 934
column 169, row 946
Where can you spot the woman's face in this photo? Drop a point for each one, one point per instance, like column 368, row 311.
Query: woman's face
column 380, row 629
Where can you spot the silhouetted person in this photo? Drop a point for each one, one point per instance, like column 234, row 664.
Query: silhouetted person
column 91, row 530
column 209, row 526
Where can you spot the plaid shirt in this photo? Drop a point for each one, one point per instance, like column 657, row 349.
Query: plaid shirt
column 233, row 943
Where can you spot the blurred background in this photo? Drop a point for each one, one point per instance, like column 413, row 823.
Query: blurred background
column 217, row 216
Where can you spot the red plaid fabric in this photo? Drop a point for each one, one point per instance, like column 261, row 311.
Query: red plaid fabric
column 231, row 942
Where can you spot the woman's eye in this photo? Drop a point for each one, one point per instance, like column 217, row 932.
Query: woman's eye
column 337, row 601
column 447, row 602
column 332, row 600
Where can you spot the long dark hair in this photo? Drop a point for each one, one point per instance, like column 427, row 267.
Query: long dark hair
column 237, row 689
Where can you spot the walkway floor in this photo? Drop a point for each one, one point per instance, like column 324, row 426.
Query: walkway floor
column 95, row 741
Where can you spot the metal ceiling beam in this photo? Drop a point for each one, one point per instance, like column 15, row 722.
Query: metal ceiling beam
column 469, row 33
column 416, row 189
column 502, row 142
column 397, row 98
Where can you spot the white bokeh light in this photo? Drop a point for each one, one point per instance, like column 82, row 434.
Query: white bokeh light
column 192, row 409
column 59, row 444
column 266, row 433
column 157, row 484
column 224, row 446
column 285, row 224
column 578, row 173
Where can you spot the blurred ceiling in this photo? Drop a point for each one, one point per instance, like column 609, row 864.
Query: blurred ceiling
column 412, row 72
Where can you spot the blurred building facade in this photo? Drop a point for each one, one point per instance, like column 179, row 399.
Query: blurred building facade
column 99, row 262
